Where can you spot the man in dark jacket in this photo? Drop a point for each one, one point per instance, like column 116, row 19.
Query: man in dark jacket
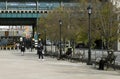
column 39, row 50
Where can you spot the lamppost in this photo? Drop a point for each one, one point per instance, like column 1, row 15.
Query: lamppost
column 60, row 23
column 38, row 37
column 89, row 35
column 45, row 42
column 37, row 42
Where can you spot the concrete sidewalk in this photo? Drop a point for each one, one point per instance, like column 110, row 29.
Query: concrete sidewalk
column 15, row 66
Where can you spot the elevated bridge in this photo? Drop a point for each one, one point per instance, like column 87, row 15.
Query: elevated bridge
column 17, row 12
column 26, row 12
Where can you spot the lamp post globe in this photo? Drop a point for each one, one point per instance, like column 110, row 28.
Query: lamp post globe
column 89, row 10
column 60, row 22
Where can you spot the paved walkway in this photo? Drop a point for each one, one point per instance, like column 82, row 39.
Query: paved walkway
column 15, row 66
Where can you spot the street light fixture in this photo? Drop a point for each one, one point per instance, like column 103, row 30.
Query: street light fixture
column 89, row 35
column 60, row 23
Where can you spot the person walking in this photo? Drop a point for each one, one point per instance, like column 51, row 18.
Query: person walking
column 39, row 51
column 22, row 48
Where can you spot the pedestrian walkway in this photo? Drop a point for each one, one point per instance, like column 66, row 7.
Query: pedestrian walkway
column 15, row 66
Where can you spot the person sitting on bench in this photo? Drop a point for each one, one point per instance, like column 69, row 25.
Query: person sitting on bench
column 68, row 52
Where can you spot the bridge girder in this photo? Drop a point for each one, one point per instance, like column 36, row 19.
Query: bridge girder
column 37, row 0
column 18, row 21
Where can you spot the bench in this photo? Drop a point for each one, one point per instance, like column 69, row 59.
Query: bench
column 67, row 54
column 108, row 61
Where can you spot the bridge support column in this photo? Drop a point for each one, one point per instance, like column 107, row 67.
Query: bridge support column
column 6, row 5
column 33, row 32
column 37, row 5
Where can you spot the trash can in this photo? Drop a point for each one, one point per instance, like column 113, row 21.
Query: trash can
column 101, row 64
